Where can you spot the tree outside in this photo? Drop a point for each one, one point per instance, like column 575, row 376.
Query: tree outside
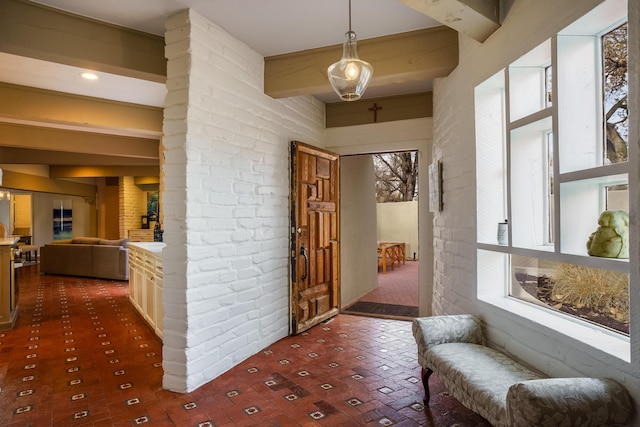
column 396, row 176
column 616, row 111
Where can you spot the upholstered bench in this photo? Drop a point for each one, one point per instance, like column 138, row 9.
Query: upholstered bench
column 505, row 392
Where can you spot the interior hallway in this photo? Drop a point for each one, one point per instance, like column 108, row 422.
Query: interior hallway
column 81, row 356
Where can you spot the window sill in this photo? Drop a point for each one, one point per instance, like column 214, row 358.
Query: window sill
column 600, row 339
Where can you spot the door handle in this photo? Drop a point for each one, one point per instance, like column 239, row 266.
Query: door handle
column 303, row 253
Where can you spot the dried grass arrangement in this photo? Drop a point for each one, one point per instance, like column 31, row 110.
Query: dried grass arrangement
column 604, row 292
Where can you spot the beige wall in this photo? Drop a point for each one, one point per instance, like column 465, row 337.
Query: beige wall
column 22, row 209
column 398, row 222
column 5, row 209
column 84, row 216
column 358, row 259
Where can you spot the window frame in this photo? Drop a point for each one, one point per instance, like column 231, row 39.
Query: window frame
column 493, row 261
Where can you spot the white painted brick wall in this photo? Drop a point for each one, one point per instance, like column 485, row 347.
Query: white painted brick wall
column 527, row 25
column 226, row 187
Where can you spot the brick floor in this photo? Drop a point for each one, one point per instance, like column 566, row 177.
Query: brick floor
column 80, row 355
column 397, row 286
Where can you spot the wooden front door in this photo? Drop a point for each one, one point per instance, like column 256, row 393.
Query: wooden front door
column 315, row 236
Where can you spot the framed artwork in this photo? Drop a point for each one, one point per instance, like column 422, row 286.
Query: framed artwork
column 62, row 220
column 435, row 186
column 152, row 206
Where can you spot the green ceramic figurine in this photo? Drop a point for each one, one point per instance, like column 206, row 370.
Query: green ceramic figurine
column 611, row 239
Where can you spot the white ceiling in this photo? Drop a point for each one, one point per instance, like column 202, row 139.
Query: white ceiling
column 31, row 72
column 270, row 27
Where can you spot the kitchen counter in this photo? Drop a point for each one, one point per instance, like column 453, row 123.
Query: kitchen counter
column 145, row 282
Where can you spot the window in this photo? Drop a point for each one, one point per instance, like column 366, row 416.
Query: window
column 615, row 83
column 551, row 160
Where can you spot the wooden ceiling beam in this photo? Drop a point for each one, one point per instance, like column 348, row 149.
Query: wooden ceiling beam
column 52, row 139
column 10, row 155
column 378, row 110
column 27, row 182
column 102, row 171
column 56, row 109
column 477, row 19
column 40, row 32
column 400, row 58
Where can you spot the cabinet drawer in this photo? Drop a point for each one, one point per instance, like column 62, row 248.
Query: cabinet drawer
column 142, row 235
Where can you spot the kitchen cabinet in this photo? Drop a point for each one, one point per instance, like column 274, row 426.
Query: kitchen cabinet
column 145, row 282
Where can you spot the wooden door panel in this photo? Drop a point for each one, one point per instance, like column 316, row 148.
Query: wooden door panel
column 315, row 236
column 323, row 168
column 323, row 304
column 303, row 311
column 335, row 266
column 319, row 190
column 319, row 231
column 314, row 292
column 304, row 167
column 333, row 236
column 326, row 230
column 305, row 193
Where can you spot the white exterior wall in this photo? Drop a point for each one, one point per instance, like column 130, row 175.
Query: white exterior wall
column 398, row 222
column 528, row 24
column 225, row 202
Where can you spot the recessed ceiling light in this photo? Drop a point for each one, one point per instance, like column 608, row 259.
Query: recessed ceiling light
column 89, row 76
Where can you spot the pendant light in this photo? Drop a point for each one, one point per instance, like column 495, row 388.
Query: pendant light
column 350, row 76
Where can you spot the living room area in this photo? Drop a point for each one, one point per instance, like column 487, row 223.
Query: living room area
column 40, row 217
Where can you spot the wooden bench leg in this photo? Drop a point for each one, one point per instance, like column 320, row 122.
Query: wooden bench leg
column 426, row 373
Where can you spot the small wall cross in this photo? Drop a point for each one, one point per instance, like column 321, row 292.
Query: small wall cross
column 375, row 109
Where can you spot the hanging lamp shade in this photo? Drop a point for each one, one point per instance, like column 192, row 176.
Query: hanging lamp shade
column 350, row 76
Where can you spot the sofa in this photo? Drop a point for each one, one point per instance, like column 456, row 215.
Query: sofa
column 504, row 391
column 86, row 256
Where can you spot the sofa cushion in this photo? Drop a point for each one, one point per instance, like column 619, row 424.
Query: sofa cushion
column 117, row 242
column 568, row 401
column 72, row 260
column 85, row 240
column 78, row 257
column 478, row 376
column 110, row 262
column 60, row 242
column 435, row 330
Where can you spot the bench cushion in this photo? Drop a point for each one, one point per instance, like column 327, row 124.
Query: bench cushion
column 586, row 402
column 478, row 376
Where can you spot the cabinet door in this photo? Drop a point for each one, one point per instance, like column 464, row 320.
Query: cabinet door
column 159, row 310
column 132, row 280
column 138, row 287
column 149, row 301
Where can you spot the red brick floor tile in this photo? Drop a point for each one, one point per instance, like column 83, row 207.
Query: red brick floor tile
column 81, row 356
column 397, row 286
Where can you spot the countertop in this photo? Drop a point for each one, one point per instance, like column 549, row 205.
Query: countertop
column 155, row 247
column 8, row 241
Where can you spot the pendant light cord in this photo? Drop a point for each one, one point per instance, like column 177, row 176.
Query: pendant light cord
column 349, row 15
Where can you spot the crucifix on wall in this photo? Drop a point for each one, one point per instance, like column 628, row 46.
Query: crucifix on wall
column 375, row 109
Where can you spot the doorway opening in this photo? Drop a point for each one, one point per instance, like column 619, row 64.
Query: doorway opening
column 395, row 294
